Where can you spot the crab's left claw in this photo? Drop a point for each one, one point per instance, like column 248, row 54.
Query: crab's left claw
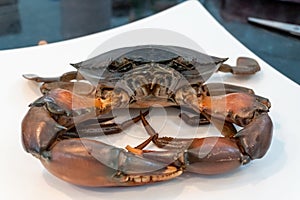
column 60, row 101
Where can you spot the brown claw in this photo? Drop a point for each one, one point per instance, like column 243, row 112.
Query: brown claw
column 39, row 130
column 238, row 108
column 256, row 137
column 214, row 155
column 95, row 164
column 71, row 161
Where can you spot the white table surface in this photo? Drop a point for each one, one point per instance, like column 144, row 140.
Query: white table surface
column 275, row 176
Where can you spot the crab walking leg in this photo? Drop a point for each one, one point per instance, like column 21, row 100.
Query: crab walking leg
column 194, row 120
column 244, row 66
column 66, row 77
column 98, row 126
column 63, row 82
column 226, row 128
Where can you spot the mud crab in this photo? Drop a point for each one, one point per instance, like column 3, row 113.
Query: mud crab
column 76, row 106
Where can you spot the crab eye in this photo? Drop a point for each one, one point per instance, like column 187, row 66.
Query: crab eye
column 122, row 65
column 113, row 66
column 125, row 68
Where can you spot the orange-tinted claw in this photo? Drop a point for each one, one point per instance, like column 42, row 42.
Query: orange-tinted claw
column 60, row 100
column 238, row 108
column 67, row 99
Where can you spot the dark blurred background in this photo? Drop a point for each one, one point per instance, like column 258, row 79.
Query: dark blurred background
column 26, row 22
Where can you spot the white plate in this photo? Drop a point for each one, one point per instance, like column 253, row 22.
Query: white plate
column 275, row 176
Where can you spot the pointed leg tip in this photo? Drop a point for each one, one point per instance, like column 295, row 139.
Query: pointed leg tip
column 251, row 65
column 30, row 76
